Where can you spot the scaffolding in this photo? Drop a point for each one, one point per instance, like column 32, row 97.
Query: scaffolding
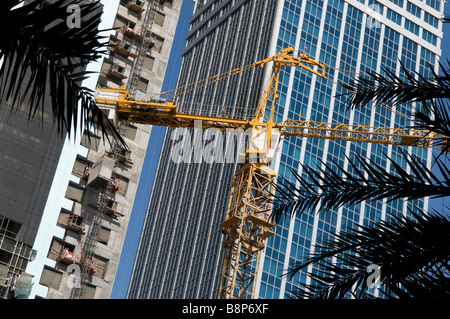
column 109, row 183
column 146, row 26
column 103, row 207
column 14, row 281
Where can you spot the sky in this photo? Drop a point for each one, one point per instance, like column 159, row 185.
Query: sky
column 145, row 184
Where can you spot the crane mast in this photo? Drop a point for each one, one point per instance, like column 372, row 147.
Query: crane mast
column 247, row 222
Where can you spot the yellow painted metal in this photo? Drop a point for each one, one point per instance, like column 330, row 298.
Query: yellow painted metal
column 262, row 124
column 262, row 121
column 245, row 229
column 361, row 133
column 247, row 224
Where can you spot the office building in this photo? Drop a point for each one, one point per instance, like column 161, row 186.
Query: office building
column 180, row 251
column 29, row 156
column 66, row 203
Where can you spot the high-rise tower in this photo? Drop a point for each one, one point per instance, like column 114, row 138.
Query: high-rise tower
column 77, row 219
column 180, row 251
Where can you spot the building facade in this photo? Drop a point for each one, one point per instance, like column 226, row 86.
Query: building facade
column 29, row 156
column 180, row 250
column 31, row 150
column 79, row 239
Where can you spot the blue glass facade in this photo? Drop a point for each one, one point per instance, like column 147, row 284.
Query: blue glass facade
column 344, row 36
column 180, row 251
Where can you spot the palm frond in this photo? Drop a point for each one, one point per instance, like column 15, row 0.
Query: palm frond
column 434, row 116
column 390, row 88
column 43, row 56
column 446, row 19
column 326, row 189
column 413, row 256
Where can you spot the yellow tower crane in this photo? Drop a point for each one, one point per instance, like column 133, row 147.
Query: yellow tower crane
column 247, row 222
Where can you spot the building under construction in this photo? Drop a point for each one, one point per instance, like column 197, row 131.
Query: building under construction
column 88, row 196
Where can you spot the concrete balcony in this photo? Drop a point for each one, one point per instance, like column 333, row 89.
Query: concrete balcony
column 101, row 172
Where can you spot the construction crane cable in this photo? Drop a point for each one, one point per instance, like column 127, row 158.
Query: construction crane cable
column 219, row 77
column 213, row 79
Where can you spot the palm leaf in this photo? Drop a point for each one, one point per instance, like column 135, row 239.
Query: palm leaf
column 413, row 256
column 43, row 56
column 325, row 189
column 390, row 88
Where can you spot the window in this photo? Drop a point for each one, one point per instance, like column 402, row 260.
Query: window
column 432, row 20
column 55, row 249
column 103, row 235
column 50, row 278
column 64, row 217
column 4, row 275
column 413, row 9
column 158, row 43
column 130, row 132
column 79, row 166
column 412, row 27
column 120, row 22
column 123, row 184
column 148, row 62
column 143, row 84
column 89, row 292
column 90, row 141
column 159, row 18
column 106, row 66
column 398, row 2
column 9, row 227
column 100, row 266
column 71, row 221
column 394, row 16
column 435, row 4
column 429, row 37
column 5, row 256
column 74, row 192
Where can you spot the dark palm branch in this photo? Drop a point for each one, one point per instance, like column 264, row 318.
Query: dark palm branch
column 43, row 56
column 390, row 88
column 434, row 117
column 413, row 256
column 326, row 188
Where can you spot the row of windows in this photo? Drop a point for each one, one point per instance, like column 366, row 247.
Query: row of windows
column 192, row 229
column 393, row 16
column 313, row 151
column 429, row 37
column 435, row 4
column 413, row 9
column 412, row 27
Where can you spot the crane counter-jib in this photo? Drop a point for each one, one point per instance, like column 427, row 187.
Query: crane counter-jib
column 165, row 116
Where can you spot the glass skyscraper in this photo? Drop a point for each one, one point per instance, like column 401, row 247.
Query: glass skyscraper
column 180, row 250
